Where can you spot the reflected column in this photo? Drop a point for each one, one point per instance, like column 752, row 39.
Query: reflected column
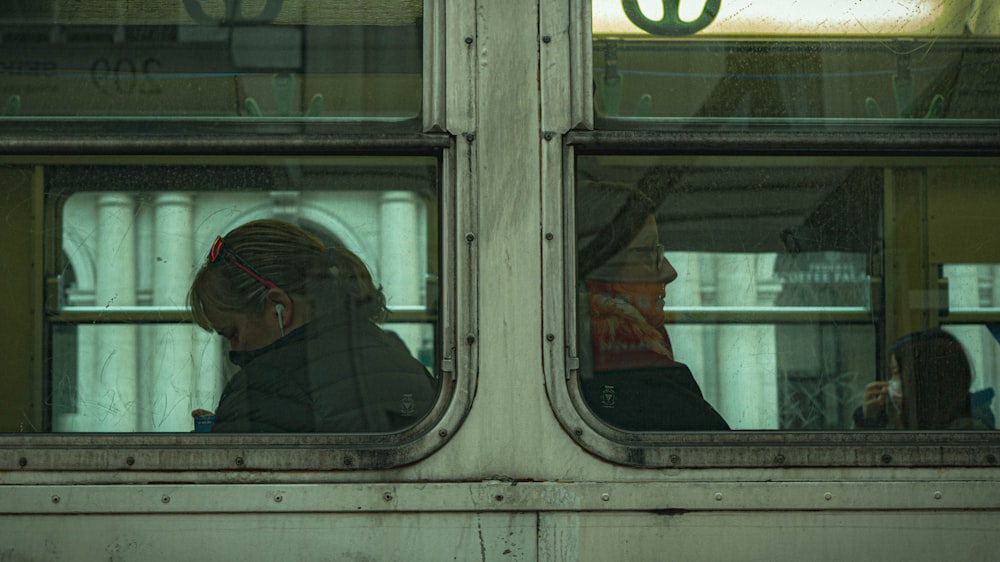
column 171, row 377
column 109, row 390
column 747, row 366
column 399, row 258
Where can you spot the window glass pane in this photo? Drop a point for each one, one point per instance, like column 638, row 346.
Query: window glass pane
column 124, row 356
column 769, row 293
column 274, row 58
column 791, row 59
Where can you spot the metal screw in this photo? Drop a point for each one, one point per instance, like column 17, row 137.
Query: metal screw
column 886, row 459
column 546, row 39
column 605, row 497
column 779, row 459
column 55, row 499
column 130, row 460
column 499, row 498
column 578, row 432
column 468, row 40
column 549, row 236
column 828, row 496
column 165, row 499
column 718, row 496
column 550, row 337
column 277, row 499
column 470, row 339
column 238, row 461
column 470, row 237
column 547, row 136
column 469, row 137
column 23, row 461
column 991, row 459
column 387, row 497
column 674, row 459
column 442, row 433
column 937, row 495
column 348, row 461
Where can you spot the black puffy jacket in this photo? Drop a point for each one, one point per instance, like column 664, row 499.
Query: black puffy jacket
column 328, row 377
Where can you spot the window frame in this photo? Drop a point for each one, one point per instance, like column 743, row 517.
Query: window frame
column 208, row 452
column 746, row 138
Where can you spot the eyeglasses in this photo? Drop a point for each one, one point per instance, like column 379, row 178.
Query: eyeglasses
column 220, row 249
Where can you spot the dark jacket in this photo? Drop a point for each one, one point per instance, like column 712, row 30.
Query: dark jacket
column 662, row 398
column 327, row 377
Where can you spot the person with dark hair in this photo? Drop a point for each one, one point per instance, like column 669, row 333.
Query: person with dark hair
column 929, row 375
column 301, row 322
column 629, row 376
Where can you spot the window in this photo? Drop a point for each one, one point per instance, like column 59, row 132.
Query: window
column 202, row 59
column 810, row 188
column 125, row 358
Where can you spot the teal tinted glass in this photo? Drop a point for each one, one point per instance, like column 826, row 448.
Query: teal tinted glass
column 266, row 58
column 796, row 60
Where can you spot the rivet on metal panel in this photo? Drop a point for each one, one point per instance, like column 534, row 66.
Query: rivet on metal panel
column 23, row 461
column 387, row 496
column 470, row 339
column 165, row 499
column 469, row 137
column 499, row 497
column 547, row 136
column 779, row 459
column 991, row 459
column 442, row 433
column 130, row 461
column 546, row 39
column 549, row 236
column 605, row 497
column 550, row 337
column 470, row 237
column 674, row 459
column 278, row 498
column 886, row 459
column 937, row 495
column 348, row 461
column 828, row 496
column 468, row 40
column 55, row 499
column 718, row 496
column 578, row 432
column 238, row 461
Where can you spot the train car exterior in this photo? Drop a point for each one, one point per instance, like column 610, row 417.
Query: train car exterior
column 819, row 184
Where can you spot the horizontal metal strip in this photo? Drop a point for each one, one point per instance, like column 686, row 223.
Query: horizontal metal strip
column 790, row 137
column 182, row 315
column 767, row 315
column 220, row 136
column 499, row 495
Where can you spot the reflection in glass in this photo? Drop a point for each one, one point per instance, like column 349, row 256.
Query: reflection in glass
column 133, row 236
column 798, row 60
column 785, row 281
column 280, row 58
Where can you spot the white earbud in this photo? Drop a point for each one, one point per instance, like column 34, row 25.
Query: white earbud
column 279, row 309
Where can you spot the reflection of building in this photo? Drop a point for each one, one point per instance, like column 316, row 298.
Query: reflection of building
column 802, row 375
column 142, row 249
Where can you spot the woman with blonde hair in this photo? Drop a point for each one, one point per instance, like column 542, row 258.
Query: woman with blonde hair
column 301, row 322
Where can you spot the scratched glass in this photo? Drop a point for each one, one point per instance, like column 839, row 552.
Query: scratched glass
column 795, row 60
column 124, row 356
column 284, row 59
column 778, row 280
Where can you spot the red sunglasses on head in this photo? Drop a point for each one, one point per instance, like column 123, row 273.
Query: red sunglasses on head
column 220, row 249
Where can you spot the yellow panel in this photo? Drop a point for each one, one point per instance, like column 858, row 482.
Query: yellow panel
column 963, row 218
column 19, row 269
